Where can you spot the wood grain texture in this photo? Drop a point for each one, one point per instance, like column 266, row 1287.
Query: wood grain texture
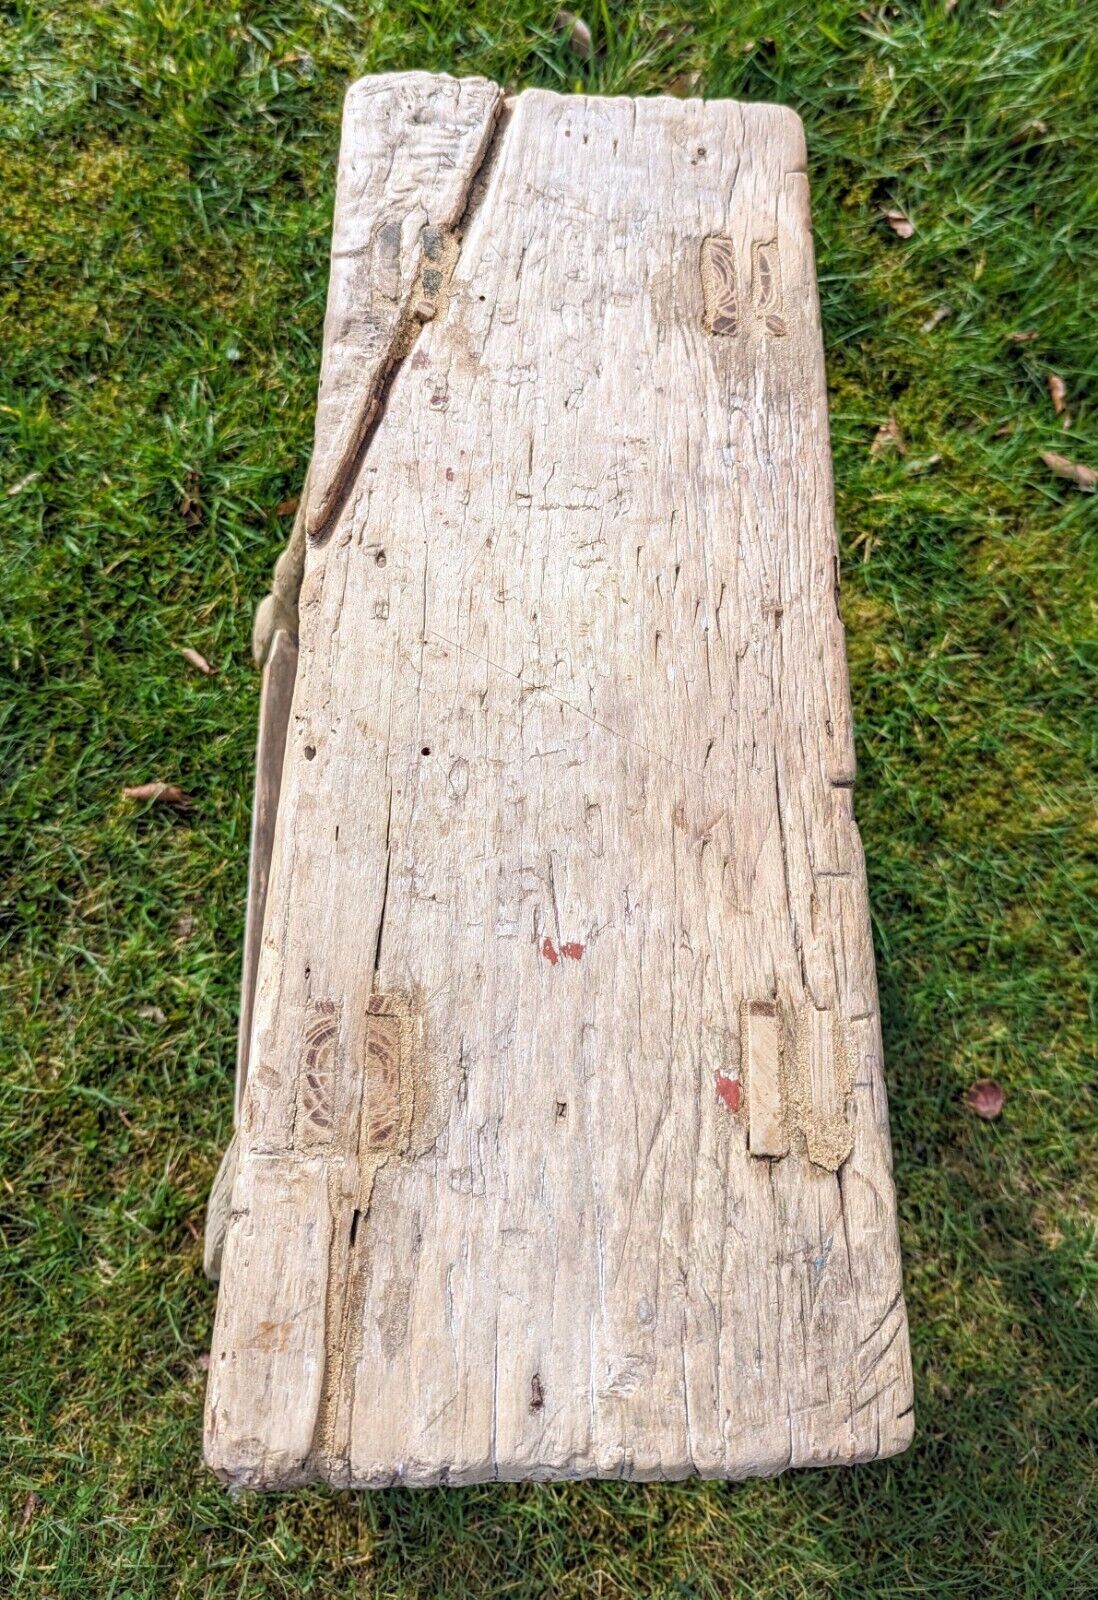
column 410, row 142
column 275, row 700
column 566, row 871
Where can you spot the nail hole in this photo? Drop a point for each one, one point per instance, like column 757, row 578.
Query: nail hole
column 562, row 1110
column 355, row 1216
column 426, row 751
column 310, row 751
column 380, row 558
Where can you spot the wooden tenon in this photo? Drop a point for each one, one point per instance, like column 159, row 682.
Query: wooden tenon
column 562, row 1145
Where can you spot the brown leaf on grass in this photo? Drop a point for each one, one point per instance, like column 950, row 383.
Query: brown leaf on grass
column 190, row 506
column 30, row 1506
column 197, row 661
column 577, row 32
column 1084, row 478
column 888, row 438
column 185, row 926
column 686, row 86
column 152, row 1014
column 1025, row 336
column 160, row 794
column 1058, row 392
column 900, row 225
column 985, row 1098
column 286, row 508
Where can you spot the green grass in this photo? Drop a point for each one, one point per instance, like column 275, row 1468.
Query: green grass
column 166, row 168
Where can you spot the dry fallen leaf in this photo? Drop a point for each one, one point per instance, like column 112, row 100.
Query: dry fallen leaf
column 1057, row 389
column 185, row 926
column 152, row 1014
column 204, row 1361
column 1024, row 337
column 579, row 34
column 936, row 316
column 686, row 86
column 899, row 224
column 888, row 438
column 286, row 508
column 196, row 660
column 1083, row 477
column 161, row 794
column 985, row 1098
column 24, row 483
column 30, row 1506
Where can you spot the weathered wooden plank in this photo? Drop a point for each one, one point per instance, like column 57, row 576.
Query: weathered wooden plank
column 565, row 1101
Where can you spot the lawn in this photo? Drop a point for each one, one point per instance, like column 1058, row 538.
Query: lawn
column 167, row 175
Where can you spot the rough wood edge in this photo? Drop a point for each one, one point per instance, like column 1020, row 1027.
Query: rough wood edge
column 277, row 611
column 276, row 699
column 217, row 1211
column 375, row 271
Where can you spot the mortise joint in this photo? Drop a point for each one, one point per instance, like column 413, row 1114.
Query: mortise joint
column 762, row 1056
column 719, row 287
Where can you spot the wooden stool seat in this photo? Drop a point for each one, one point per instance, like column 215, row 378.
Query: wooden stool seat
column 562, row 1145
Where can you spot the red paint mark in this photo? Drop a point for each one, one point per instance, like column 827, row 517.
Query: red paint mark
column 728, row 1090
column 573, row 951
column 549, row 951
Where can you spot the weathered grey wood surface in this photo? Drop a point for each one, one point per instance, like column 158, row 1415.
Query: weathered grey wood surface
column 564, row 1147
column 275, row 701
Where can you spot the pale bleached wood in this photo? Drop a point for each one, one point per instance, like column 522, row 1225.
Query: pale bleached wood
column 410, row 141
column 766, row 1134
column 217, row 1211
column 275, row 699
column 567, row 802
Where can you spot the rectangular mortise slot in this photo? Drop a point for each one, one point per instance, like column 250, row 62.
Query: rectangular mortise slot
column 719, row 285
column 762, row 1052
column 766, row 276
column 382, row 1108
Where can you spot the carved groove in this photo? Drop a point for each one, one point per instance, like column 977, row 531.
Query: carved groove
column 316, row 1082
column 766, row 285
column 718, row 273
column 382, row 1109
